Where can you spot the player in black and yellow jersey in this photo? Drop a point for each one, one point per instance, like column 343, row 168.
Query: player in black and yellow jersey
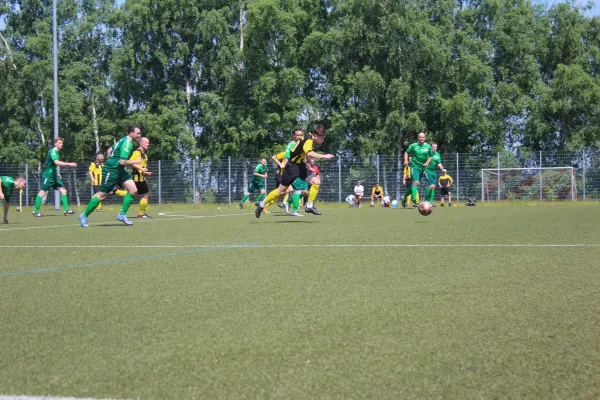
column 295, row 167
column 95, row 173
column 139, row 174
column 377, row 193
column 445, row 181
column 281, row 159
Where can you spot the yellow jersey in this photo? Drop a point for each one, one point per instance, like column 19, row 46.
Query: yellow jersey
column 138, row 176
column 377, row 189
column 300, row 150
column 96, row 170
column 407, row 173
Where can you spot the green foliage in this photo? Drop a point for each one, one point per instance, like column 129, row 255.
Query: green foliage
column 217, row 78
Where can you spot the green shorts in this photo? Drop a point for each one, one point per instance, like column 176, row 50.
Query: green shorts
column 256, row 186
column 431, row 177
column 299, row 184
column 415, row 174
column 50, row 182
column 112, row 177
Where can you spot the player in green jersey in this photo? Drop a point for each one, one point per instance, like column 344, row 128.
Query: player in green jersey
column 7, row 185
column 257, row 183
column 431, row 172
column 52, row 179
column 114, row 173
column 421, row 153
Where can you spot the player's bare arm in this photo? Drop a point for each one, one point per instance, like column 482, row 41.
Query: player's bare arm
column 314, row 154
column 427, row 162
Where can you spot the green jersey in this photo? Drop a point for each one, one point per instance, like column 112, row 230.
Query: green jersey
column 435, row 160
column 260, row 169
column 50, row 170
column 8, row 185
column 289, row 149
column 121, row 151
column 420, row 154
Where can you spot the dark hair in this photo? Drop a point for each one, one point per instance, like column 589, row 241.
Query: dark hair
column 320, row 130
column 99, row 154
column 296, row 130
column 132, row 128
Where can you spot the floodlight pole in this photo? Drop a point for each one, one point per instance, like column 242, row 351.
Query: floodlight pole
column 55, row 67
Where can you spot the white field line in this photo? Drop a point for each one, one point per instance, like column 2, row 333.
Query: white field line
column 5, row 397
column 176, row 217
column 278, row 246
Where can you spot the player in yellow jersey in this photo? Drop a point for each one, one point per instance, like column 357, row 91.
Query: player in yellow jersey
column 445, row 182
column 139, row 174
column 407, row 181
column 296, row 168
column 95, row 173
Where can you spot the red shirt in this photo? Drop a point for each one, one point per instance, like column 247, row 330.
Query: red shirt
column 315, row 169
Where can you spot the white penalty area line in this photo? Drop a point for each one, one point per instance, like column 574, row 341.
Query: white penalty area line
column 279, row 246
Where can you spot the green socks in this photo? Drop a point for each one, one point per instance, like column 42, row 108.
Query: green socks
column 295, row 202
column 414, row 192
column 91, row 206
column 244, row 198
column 38, row 204
column 260, row 197
column 432, row 195
column 127, row 200
column 64, row 202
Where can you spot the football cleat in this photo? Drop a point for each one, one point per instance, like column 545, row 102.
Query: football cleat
column 38, row 214
column 241, row 206
column 296, row 214
column 83, row 220
column 143, row 216
column 286, row 207
column 312, row 210
column 258, row 211
column 124, row 219
column 70, row 212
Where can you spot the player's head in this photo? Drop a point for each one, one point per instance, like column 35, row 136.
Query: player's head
column 310, row 161
column 444, row 172
column 297, row 134
column 134, row 132
column 263, row 161
column 59, row 143
column 377, row 184
column 434, row 146
column 319, row 134
column 357, row 183
column 421, row 137
column 144, row 143
column 99, row 157
column 20, row 182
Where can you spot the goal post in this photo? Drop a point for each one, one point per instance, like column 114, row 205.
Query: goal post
column 529, row 184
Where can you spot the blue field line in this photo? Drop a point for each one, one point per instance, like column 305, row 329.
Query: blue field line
column 97, row 263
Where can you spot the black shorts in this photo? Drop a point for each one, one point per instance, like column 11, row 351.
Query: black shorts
column 278, row 177
column 378, row 194
column 445, row 191
column 96, row 188
column 408, row 183
column 293, row 171
column 142, row 187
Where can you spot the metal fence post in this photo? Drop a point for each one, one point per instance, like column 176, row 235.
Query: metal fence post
column 27, row 188
column 194, row 180
column 57, row 195
column 457, row 180
column 498, row 176
column 541, row 177
column 584, row 170
column 340, row 179
column 229, row 176
column 159, row 183
column 377, row 160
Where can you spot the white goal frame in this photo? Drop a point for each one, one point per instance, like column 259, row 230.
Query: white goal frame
column 498, row 171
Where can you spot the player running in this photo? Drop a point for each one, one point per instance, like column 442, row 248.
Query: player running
column 52, row 179
column 296, row 167
column 114, row 173
column 257, row 183
column 431, row 172
column 421, row 153
column 7, row 186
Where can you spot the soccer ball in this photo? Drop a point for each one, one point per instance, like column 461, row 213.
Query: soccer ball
column 425, row 208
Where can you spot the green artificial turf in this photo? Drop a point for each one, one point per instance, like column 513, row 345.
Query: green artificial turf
column 467, row 303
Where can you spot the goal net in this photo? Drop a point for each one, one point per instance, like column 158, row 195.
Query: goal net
column 528, row 184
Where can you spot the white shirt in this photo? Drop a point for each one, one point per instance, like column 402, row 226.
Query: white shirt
column 359, row 190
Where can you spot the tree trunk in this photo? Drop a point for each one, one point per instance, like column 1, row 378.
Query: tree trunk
column 94, row 127
column 8, row 51
column 74, row 173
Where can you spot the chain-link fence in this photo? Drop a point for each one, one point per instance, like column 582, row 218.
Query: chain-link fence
column 225, row 180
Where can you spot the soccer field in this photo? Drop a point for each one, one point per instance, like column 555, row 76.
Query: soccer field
column 486, row 302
